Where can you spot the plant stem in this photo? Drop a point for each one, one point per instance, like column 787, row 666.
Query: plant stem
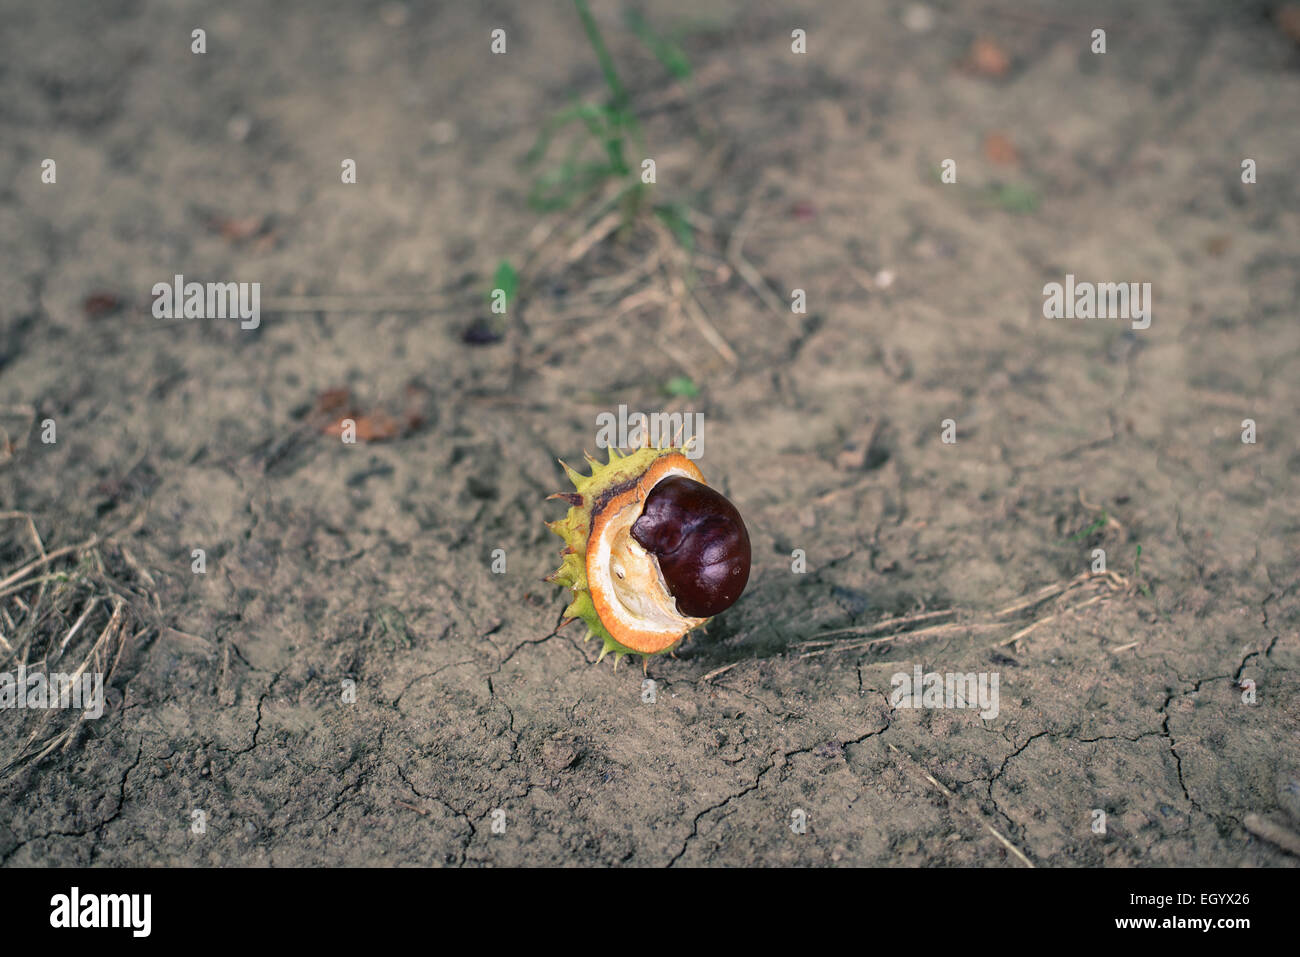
column 602, row 54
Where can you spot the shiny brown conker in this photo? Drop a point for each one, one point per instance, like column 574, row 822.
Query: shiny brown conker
column 700, row 542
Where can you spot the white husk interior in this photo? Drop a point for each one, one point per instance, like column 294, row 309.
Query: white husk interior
column 642, row 592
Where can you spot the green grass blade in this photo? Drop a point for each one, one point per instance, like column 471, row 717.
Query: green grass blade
column 665, row 51
column 602, row 54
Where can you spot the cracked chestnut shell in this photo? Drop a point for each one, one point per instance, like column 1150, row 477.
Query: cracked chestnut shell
column 642, row 590
column 700, row 542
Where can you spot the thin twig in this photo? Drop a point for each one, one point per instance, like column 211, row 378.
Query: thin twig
column 717, row 671
column 881, row 626
column 1044, row 593
column 930, row 632
column 962, row 804
column 1042, row 621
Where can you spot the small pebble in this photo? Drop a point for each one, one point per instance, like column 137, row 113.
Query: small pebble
column 239, row 126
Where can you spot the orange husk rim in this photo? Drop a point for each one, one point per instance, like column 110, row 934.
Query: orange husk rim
column 642, row 641
column 612, row 486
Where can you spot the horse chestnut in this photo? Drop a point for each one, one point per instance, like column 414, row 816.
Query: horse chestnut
column 651, row 551
column 700, row 541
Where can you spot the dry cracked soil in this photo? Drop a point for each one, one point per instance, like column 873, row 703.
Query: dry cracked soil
column 349, row 682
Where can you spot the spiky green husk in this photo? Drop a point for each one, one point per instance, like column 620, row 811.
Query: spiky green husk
column 575, row 528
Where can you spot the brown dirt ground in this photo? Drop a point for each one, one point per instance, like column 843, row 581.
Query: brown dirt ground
column 371, row 562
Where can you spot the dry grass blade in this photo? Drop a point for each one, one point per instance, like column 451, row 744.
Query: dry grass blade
column 90, row 606
column 593, row 236
column 888, row 624
column 80, row 602
column 747, row 271
column 30, row 567
column 719, row 671
column 930, row 632
column 962, row 804
column 695, row 312
column 1106, row 579
column 1043, row 594
column 683, row 298
column 899, row 628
